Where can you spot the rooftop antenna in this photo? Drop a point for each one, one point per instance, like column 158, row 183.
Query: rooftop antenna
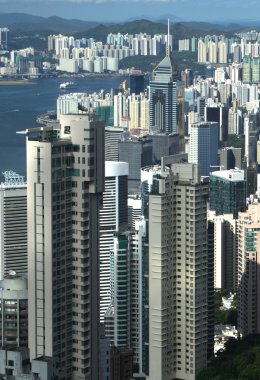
column 168, row 49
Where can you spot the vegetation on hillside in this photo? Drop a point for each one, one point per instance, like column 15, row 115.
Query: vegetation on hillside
column 178, row 30
column 23, row 25
column 224, row 317
column 181, row 61
column 19, row 40
column 239, row 361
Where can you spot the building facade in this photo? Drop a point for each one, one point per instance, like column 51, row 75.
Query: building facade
column 178, row 309
column 227, row 193
column 249, row 270
column 13, row 225
column 112, row 218
column 14, row 311
column 65, row 169
column 203, row 146
column 163, row 98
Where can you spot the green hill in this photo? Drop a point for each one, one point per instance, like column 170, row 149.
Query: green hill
column 179, row 30
column 23, row 23
column 146, row 63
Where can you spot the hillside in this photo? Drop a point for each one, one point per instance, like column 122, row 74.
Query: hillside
column 27, row 29
column 22, row 23
column 179, row 30
column 146, row 63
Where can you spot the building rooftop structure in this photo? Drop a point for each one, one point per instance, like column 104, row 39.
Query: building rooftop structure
column 232, row 175
column 12, row 180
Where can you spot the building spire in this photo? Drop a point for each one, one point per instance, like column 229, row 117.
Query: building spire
column 168, row 48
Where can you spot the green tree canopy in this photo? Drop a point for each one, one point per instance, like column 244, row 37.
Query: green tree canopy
column 239, row 361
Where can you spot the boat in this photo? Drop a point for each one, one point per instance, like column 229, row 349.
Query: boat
column 67, row 85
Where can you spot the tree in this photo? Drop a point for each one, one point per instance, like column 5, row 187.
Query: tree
column 239, row 361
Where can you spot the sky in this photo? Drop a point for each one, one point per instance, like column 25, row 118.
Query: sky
column 122, row 10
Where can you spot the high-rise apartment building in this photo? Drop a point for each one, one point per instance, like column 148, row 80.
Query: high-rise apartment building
column 234, row 121
column 138, row 111
column 13, row 225
column 225, row 250
column 65, row 172
column 126, row 320
column 178, row 261
column 222, row 52
column 202, row 51
column 249, row 270
column 251, row 69
column 112, row 218
column 212, row 52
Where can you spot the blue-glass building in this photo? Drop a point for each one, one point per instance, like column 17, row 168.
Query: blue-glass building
column 163, row 98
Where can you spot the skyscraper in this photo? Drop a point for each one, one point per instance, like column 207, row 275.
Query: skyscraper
column 136, row 83
column 112, row 137
column 138, row 153
column 246, row 69
column 126, row 319
column 163, row 97
column 202, row 51
column 224, row 250
column 203, row 146
column 112, row 218
column 65, row 171
column 13, row 224
column 178, row 310
column 164, row 145
column 249, row 270
column 227, row 193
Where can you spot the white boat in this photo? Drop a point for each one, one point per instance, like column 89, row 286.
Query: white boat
column 67, row 85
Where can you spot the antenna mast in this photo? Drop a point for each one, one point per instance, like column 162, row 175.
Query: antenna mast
column 168, row 49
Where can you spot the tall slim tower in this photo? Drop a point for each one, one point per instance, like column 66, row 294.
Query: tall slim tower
column 163, row 95
column 249, row 270
column 65, row 172
column 112, row 218
column 178, row 260
column 13, row 225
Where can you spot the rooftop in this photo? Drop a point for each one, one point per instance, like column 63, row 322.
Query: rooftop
column 232, row 175
column 12, row 180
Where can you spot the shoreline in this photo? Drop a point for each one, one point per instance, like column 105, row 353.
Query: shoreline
column 14, row 82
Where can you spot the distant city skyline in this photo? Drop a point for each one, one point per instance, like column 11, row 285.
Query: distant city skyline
column 123, row 10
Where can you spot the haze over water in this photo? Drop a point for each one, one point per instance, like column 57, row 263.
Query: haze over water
column 21, row 104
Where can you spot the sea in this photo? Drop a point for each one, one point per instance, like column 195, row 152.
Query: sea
column 20, row 104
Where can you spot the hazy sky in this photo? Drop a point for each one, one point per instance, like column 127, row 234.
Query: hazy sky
column 121, row 10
